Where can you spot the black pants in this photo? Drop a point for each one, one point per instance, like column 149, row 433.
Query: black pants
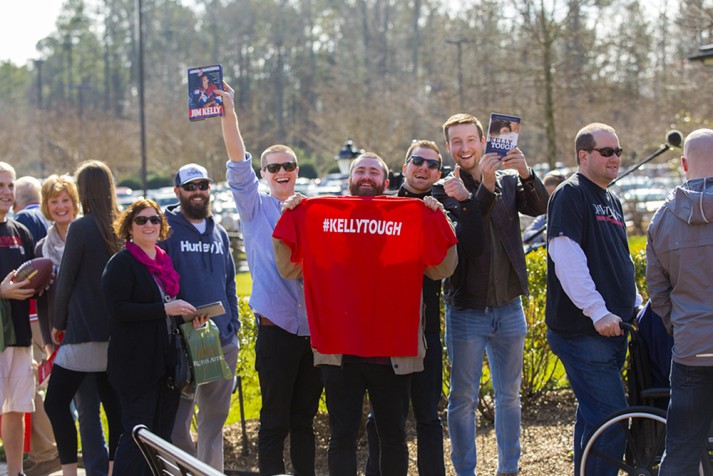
column 388, row 395
column 426, row 390
column 156, row 408
column 60, row 392
column 290, row 385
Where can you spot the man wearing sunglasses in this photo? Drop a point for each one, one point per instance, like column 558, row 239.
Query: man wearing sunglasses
column 369, row 357
column 421, row 169
column 290, row 384
column 591, row 288
column 483, row 309
column 200, row 250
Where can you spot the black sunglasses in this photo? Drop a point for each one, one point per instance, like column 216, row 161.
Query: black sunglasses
column 142, row 220
column 418, row 161
column 608, row 151
column 193, row 186
column 274, row 168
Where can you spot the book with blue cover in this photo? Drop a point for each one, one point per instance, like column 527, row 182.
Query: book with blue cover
column 503, row 132
column 203, row 102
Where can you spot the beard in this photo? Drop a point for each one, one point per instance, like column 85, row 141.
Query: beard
column 357, row 191
column 196, row 211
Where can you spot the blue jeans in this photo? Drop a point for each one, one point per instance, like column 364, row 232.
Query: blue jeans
column 499, row 331
column 689, row 419
column 593, row 365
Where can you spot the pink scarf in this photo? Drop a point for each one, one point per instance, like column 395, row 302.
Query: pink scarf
column 161, row 267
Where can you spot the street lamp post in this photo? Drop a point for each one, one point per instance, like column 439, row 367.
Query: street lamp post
column 348, row 153
column 142, row 115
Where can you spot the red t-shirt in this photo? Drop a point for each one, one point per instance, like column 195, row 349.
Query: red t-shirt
column 363, row 260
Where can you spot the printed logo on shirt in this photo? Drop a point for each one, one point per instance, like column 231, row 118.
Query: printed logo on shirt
column 199, row 247
column 362, row 226
column 12, row 242
column 607, row 213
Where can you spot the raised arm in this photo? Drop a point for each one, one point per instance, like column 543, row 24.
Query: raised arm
column 231, row 130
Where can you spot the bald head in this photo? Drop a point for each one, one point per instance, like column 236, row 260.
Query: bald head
column 697, row 156
column 27, row 191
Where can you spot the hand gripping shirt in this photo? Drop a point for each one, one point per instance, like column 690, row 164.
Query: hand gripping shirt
column 363, row 260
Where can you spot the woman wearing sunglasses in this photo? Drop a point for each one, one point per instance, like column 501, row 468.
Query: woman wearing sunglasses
column 140, row 287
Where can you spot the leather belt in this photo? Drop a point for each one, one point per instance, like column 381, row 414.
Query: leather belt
column 264, row 321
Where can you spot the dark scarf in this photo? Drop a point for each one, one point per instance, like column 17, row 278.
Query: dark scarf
column 161, row 268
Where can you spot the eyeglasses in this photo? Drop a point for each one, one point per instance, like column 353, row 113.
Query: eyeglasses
column 193, row 186
column 607, row 151
column 418, row 161
column 142, row 220
column 274, row 168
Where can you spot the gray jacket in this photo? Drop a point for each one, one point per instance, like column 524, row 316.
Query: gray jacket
column 679, row 270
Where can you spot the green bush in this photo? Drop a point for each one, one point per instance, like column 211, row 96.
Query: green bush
column 246, row 364
column 542, row 371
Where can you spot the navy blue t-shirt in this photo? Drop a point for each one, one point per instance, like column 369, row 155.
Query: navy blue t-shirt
column 591, row 216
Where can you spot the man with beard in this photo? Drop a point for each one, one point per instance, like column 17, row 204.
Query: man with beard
column 421, row 169
column 200, row 251
column 483, row 308
column 361, row 304
column 290, row 384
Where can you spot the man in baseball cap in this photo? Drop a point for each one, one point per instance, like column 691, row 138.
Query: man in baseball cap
column 190, row 173
column 200, row 250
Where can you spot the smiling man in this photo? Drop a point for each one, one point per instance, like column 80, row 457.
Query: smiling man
column 421, row 169
column 483, row 308
column 366, row 325
column 17, row 382
column 591, row 288
column 290, row 384
column 200, row 250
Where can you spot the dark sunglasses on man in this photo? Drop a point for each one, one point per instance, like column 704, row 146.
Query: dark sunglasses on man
column 142, row 220
column 418, row 161
column 193, row 186
column 274, row 168
column 607, row 151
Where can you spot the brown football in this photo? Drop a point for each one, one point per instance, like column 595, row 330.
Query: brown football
column 38, row 271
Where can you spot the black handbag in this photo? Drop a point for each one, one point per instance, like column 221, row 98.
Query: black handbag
column 180, row 377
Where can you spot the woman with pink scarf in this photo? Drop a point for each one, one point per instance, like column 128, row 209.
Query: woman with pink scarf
column 140, row 287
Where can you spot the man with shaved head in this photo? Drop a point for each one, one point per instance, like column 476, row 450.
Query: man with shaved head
column 679, row 270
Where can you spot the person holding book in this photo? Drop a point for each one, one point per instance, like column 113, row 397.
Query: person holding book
column 483, row 196
column 141, row 287
column 290, row 384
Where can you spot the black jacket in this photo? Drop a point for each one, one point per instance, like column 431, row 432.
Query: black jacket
column 431, row 288
column 468, row 286
column 139, row 346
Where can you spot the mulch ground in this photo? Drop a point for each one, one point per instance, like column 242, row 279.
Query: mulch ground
column 546, row 442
